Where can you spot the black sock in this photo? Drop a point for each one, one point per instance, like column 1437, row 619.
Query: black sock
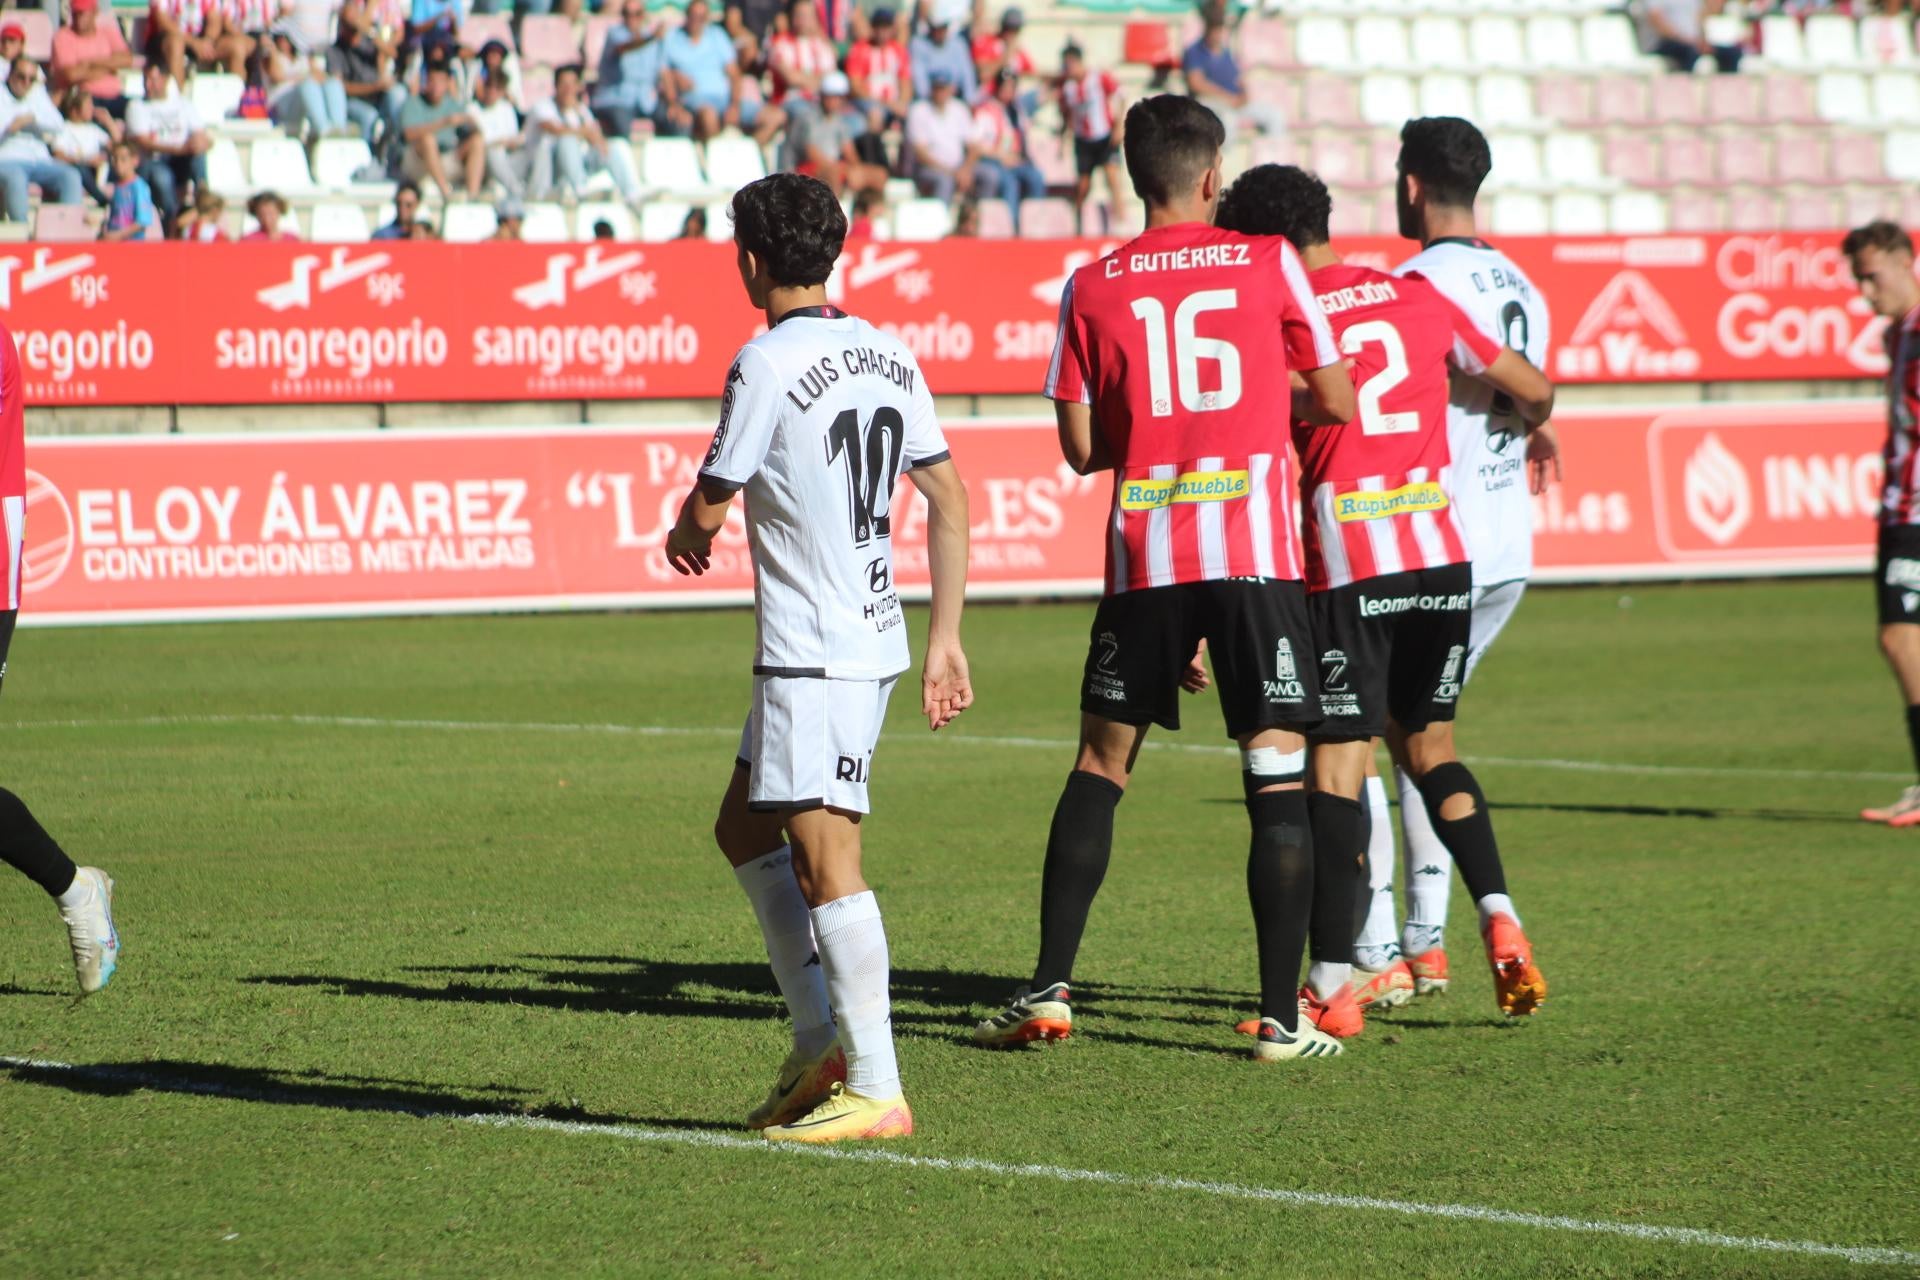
column 1363, row 884
column 1469, row 839
column 1078, row 846
column 1913, row 734
column 1339, row 842
column 26, row 845
column 1280, row 886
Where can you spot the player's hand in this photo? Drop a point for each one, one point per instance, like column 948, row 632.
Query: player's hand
column 1543, row 458
column 1195, row 679
column 945, row 687
column 689, row 553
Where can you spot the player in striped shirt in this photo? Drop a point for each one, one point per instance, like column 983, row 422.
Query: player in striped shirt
column 1172, row 371
column 1389, row 580
column 83, row 894
column 1089, row 107
column 1882, row 258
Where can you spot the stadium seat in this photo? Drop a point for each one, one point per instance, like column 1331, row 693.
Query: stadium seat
column 1352, row 215
column 37, row 26
column 62, row 223
column 1442, row 43
column 215, row 95
column 1780, row 41
column 547, row 40
column 1855, row 157
column 1553, row 42
column 1831, row 40
column 720, row 222
column 1743, row 157
column 279, row 164
column 1608, row 41
column 1676, row 100
column 224, row 171
column 1451, row 95
column 733, row 161
column 1811, row 211
column 1633, row 158
column 1497, row 100
column 1863, row 204
column 467, row 221
column 1800, row 157
column 1332, row 101
column 598, row 25
column 1148, row 44
column 612, row 212
column 1573, row 160
column 1636, row 213
column 996, row 220
column 1886, row 40
column 1380, row 41
column 1048, row 219
column 1789, row 100
column 1323, row 42
column 1567, row 99
column 1049, row 154
column 337, row 160
column 922, row 220
column 1902, row 156
column 1338, row 160
column 1519, row 213
column 545, row 223
column 337, row 222
column 1896, row 97
column 1694, row 211
column 1735, row 100
column 1843, row 96
column 1269, row 149
column 479, row 28
column 671, row 165
column 1621, row 100
column 1687, row 158
column 1516, row 161
column 1267, row 44
column 1282, row 92
column 662, row 220
column 1578, row 213
column 1752, row 211
column 1387, row 100
column 536, row 86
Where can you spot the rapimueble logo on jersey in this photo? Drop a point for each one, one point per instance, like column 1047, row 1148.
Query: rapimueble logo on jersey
column 1426, row 495
column 736, row 377
column 1147, row 494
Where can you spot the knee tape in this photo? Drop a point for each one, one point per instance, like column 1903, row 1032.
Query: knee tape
column 1268, row 766
column 1450, row 779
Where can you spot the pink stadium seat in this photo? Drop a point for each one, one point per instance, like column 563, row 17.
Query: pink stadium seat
column 1620, row 100
column 1338, row 159
column 1687, row 158
column 61, row 223
column 1268, row 149
column 1352, row 215
column 536, row 85
column 597, row 28
column 1050, row 219
column 1332, row 100
column 1280, row 91
column 1743, row 158
column 1864, row 204
column 1694, row 211
column 996, row 220
column 1752, row 211
column 1567, row 99
column 1384, row 148
column 1386, row 213
column 1887, row 40
column 482, row 27
column 1634, row 159
column 1050, row 156
column 38, row 26
column 1735, row 100
column 546, row 40
column 1789, row 100
column 1676, row 100
column 1266, row 42
column 1800, row 157
column 1856, row 158
column 1812, row 211
column 1911, row 216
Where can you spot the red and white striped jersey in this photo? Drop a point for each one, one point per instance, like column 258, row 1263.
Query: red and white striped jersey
column 1180, row 341
column 1900, row 500
column 190, row 15
column 1088, row 103
column 1376, row 489
column 802, row 55
column 13, row 470
column 879, row 71
column 251, row 16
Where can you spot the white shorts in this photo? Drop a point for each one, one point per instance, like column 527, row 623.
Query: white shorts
column 809, row 741
column 1492, row 606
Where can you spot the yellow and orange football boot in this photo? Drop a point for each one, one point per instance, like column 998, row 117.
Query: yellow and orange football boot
column 1429, row 970
column 1338, row 1015
column 1517, row 983
column 846, row 1116
column 1387, row 988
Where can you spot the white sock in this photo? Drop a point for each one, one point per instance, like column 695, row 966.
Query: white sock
column 78, row 894
column 1429, row 871
column 853, row 951
column 1378, row 945
column 1497, row 904
column 788, row 930
column 1326, row 979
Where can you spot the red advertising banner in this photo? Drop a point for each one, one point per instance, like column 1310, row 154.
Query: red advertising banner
column 274, row 323
column 137, row 529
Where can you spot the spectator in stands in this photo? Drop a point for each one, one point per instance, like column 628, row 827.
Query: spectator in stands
column 250, row 19
column 508, row 159
column 28, row 121
column 90, row 53
column 302, row 93
column 406, row 208
column 631, row 63
column 753, row 24
column 181, row 29
column 694, row 227
column 966, row 220
column 270, row 211
column 868, row 208
column 173, row 139
column 368, row 54
column 701, row 75
column 315, row 18
column 603, row 230
column 13, row 42
column 877, row 66
column 1000, row 139
column 508, row 217
column 1677, row 31
column 492, row 60
column 940, row 139
column 993, row 53
column 1090, row 107
column 441, row 146
column 202, row 223
column 1213, row 80
column 800, row 59
column 822, row 142
column 568, row 146
column 433, row 25
column 82, row 142
column 940, row 51
column 422, row 229
column 131, row 214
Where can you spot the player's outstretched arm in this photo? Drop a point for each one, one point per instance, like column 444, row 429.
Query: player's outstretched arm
column 690, row 542
column 1526, row 386
column 946, row 689
column 1081, row 443
column 1328, row 400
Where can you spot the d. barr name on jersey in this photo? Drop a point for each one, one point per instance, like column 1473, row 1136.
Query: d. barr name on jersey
column 1180, row 342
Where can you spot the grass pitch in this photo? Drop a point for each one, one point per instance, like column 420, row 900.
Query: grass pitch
column 345, row 932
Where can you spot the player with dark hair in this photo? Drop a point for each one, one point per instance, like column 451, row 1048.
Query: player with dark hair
column 83, row 894
column 1881, row 255
column 819, row 417
column 1387, row 575
column 1172, row 370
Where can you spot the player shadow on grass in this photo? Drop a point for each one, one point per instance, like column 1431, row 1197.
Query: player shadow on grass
column 320, row 1089
column 1660, row 811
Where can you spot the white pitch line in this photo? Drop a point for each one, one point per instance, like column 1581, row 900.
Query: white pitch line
column 985, row 740
column 1864, row 1254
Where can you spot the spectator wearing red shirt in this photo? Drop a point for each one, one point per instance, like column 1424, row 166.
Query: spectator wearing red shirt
column 800, row 58
column 178, row 28
column 92, row 53
column 270, row 211
column 1000, row 137
column 992, row 52
column 879, row 69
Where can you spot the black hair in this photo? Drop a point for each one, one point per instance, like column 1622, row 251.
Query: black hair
column 1448, row 155
column 1888, row 237
column 408, row 186
column 573, row 69
column 1277, row 200
column 792, row 223
column 1171, row 141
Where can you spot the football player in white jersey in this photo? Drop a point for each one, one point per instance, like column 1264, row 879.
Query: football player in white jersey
column 819, row 417
column 1498, row 462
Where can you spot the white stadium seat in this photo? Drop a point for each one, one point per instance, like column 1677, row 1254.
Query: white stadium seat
column 611, row 212
column 1832, row 40
column 1896, row 97
column 1502, row 99
column 1886, row 40
column 734, row 161
column 1843, row 96
column 1447, row 95
column 1608, row 41
column 216, row 95
column 1442, row 43
column 1903, row 155
column 1780, row 41
column 545, row 223
column 1519, row 213
column 1380, row 41
column 1495, row 41
column 466, row 221
column 224, row 172
column 1322, row 42
column 1637, row 213
column 337, row 160
column 1579, row 213
column 671, row 165
column 338, row 223
column 921, row 220
column 279, row 164
column 1573, row 160
column 1516, row 161
column 1387, row 100
column 1553, row 40
column 662, row 220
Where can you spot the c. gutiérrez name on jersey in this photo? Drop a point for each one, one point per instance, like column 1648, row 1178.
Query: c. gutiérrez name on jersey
column 1190, row 258
column 856, row 362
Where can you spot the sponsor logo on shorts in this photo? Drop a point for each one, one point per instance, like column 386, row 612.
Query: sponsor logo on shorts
column 1285, row 685
column 1378, row 504
column 1337, row 698
column 851, row 768
column 1449, row 688
column 1374, row 606
column 1903, row 572
column 1146, row 494
column 1104, row 680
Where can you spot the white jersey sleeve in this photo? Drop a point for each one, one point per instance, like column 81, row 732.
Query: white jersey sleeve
column 749, row 414
column 926, row 443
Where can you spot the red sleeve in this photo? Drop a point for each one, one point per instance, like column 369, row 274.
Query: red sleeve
column 1472, row 350
column 1108, row 85
column 1068, row 375
column 1303, row 325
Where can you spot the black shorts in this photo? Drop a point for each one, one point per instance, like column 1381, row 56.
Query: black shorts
column 7, row 618
column 1393, row 646
column 1896, row 574
column 1258, row 638
column 1090, row 154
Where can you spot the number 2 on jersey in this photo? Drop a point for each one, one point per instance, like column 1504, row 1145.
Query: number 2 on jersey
column 1373, row 421
column 873, row 464
column 1189, row 349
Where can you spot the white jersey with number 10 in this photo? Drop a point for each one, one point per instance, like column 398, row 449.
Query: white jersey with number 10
column 1485, row 434
column 820, row 416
